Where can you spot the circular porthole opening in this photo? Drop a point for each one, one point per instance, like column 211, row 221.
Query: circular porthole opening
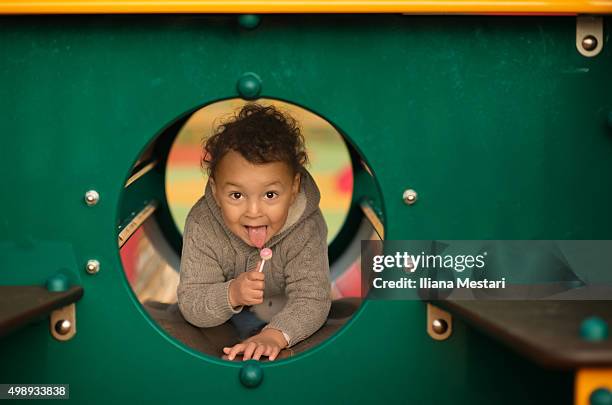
column 167, row 179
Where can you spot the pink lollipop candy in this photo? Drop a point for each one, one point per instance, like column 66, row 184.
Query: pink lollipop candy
column 265, row 254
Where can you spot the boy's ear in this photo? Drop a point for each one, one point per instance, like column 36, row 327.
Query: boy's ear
column 295, row 187
column 213, row 187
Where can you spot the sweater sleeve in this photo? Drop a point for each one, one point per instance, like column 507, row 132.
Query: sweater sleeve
column 308, row 288
column 203, row 292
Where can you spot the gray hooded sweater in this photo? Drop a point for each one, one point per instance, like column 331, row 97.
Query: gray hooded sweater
column 298, row 273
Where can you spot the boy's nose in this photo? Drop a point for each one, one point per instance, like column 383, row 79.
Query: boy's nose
column 253, row 209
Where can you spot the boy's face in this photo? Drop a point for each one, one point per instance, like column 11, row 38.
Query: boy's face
column 254, row 198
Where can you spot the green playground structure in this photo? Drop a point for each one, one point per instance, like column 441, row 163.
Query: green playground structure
column 477, row 126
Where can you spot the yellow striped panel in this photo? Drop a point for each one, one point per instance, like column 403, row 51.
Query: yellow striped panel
column 308, row 6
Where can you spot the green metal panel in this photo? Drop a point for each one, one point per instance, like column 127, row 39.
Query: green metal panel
column 498, row 123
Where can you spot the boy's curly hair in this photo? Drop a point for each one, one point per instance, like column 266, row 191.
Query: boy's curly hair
column 261, row 134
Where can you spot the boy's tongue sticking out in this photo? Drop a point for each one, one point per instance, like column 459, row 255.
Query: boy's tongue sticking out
column 257, row 235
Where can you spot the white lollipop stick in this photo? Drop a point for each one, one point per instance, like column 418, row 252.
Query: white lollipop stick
column 265, row 254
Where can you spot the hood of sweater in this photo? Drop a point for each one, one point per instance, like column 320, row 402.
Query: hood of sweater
column 305, row 204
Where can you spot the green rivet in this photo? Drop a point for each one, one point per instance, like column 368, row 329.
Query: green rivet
column 249, row 21
column 594, row 329
column 249, row 86
column 251, row 374
column 58, row 283
column 601, row 396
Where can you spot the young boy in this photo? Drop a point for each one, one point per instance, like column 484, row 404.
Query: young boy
column 258, row 195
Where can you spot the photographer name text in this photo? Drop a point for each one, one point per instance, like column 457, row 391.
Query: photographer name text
column 410, row 263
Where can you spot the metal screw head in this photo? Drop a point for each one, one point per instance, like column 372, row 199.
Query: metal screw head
column 251, row 374
column 92, row 197
column 58, row 283
column 409, row 267
column 92, row 266
column 439, row 326
column 589, row 43
column 249, row 86
column 600, row 396
column 249, row 21
column 63, row 326
column 410, row 196
column 594, row 329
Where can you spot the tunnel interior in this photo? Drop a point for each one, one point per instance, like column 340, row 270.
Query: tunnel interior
column 150, row 239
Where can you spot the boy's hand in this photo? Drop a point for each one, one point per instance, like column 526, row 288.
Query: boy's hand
column 269, row 342
column 247, row 288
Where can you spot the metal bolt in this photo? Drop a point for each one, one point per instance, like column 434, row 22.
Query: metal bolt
column 93, row 266
column 409, row 196
column 600, row 396
column 249, row 86
column 439, row 326
column 251, row 374
column 92, row 197
column 594, row 329
column 58, row 283
column 63, row 326
column 589, row 43
column 409, row 267
column 249, row 21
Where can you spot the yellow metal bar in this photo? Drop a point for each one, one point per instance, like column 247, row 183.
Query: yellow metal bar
column 308, row 6
column 136, row 222
column 144, row 170
column 588, row 380
column 374, row 220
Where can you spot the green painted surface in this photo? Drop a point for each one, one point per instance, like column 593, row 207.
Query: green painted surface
column 498, row 123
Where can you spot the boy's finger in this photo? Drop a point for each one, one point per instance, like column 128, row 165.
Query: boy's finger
column 255, row 286
column 258, row 352
column 274, row 353
column 254, row 298
column 226, row 350
column 254, row 275
column 268, row 351
column 235, row 350
column 248, row 352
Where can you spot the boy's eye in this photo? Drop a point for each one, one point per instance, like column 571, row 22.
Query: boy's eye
column 235, row 196
column 271, row 194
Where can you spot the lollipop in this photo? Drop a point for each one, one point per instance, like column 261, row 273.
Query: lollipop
column 265, row 254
